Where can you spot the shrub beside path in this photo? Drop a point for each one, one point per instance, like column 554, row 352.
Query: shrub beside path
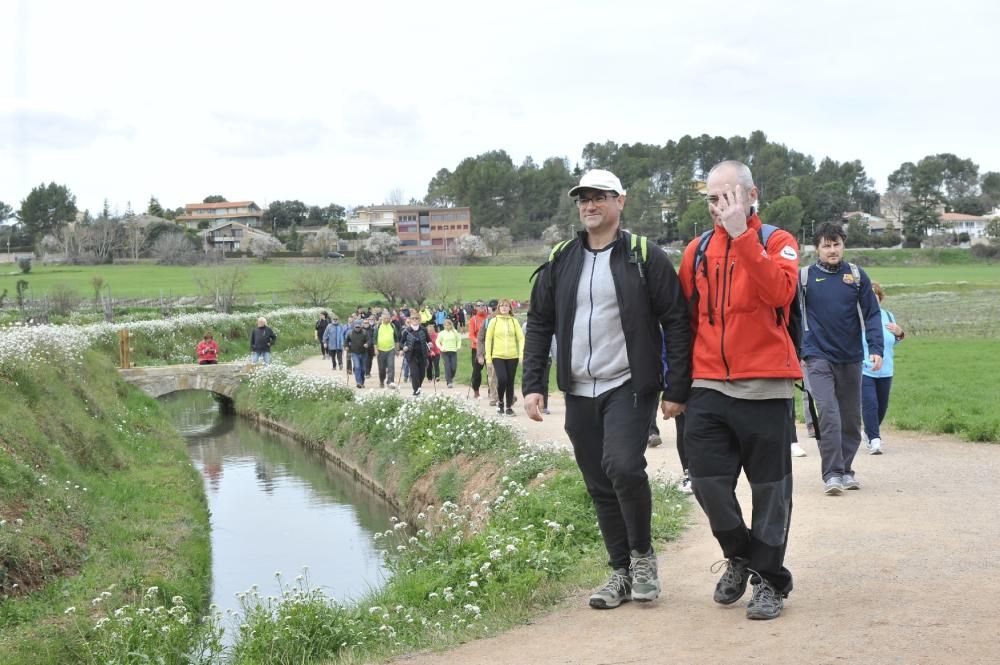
column 905, row 571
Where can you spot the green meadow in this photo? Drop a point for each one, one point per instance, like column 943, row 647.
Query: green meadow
column 944, row 369
column 266, row 282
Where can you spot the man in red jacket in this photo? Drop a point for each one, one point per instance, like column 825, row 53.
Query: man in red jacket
column 743, row 368
column 475, row 323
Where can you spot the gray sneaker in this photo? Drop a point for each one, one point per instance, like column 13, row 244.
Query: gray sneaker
column 653, row 441
column 765, row 603
column 733, row 583
column 618, row 590
column 834, row 486
column 645, row 584
column 850, row 482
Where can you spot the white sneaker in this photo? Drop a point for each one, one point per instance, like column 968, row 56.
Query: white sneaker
column 685, row 486
column 797, row 450
column 875, row 446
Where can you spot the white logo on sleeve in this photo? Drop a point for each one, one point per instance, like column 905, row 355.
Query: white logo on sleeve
column 788, row 252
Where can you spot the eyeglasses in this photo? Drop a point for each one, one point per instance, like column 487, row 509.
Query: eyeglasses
column 599, row 199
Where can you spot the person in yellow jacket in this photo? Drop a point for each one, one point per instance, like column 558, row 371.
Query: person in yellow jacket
column 504, row 348
column 425, row 316
column 449, row 341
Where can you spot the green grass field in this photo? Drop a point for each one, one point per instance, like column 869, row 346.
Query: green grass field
column 266, row 282
column 466, row 283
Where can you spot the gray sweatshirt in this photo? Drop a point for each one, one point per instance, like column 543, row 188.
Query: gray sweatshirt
column 599, row 359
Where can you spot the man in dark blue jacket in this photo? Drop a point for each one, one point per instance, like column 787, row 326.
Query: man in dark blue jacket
column 838, row 300
column 605, row 300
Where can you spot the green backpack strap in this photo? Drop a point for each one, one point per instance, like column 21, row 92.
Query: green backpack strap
column 642, row 242
column 557, row 248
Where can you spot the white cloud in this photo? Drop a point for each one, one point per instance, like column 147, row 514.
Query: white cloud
column 342, row 103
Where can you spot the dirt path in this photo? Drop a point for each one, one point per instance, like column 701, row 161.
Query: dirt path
column 906, row 571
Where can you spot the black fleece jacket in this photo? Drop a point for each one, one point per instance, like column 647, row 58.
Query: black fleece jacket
column 649, row 298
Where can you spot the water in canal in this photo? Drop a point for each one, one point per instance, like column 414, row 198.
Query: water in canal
column 276, row 506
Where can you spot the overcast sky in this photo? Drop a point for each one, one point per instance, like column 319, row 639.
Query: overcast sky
column 344, row 102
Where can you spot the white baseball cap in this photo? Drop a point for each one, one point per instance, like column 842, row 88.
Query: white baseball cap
column 599, row 179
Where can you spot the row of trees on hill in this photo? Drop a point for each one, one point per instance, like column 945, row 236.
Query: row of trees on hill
column 794, row 189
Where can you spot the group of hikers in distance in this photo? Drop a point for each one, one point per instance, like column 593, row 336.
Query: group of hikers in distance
column 719, row 343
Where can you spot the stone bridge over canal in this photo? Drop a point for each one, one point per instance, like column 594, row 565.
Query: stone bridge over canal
column 222, row 379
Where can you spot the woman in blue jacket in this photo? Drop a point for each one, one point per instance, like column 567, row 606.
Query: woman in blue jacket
column 875, row 386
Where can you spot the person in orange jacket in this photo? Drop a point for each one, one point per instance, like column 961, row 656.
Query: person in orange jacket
column 207, row 350
column 744, row 366
column 475, row 323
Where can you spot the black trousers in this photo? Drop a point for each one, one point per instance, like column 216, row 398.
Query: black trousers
column 477, row 372
column 336, row 356
column 609, row 435
column 723, row 435
column 433, row 367
column 418, row 368
column 505, row 370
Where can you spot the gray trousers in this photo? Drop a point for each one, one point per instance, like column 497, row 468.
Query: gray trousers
column 836, row 390
column 386, row 366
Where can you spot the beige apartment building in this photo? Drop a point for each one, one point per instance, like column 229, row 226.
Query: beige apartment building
column 247, row 213
column 420, row 229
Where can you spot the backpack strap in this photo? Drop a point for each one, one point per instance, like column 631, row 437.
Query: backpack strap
column 699, row 261
column 553, row 255
column 803, row 283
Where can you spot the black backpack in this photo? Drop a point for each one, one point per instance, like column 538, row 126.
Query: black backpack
column 794, row 321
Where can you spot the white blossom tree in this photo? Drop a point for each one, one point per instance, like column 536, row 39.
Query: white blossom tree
column 382, row 247
column 321, row 242
column 470, row 247
column 264, row 246
column 551, row 235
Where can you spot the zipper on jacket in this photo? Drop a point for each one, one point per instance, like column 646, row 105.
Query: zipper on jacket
column 722, row 312
column 729, row 301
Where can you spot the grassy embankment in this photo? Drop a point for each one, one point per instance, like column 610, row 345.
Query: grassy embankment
column 98, row 503
column 503, row 528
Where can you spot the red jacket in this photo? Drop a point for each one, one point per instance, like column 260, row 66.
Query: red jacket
column 208, row 350
column 475, row 323
column 736, row 331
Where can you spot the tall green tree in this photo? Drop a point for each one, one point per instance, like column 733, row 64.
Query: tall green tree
column 154, row 208
column 642, row 214
column 989, row 185
column 785, row 213
column 6, row 212
column 46, row 209
column 488, row 184
column 284, row 214
column 215, row 198
column 695, row 220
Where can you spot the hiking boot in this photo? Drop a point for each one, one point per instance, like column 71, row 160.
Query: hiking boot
column 510, row 411
column 500, row 410
column 381, row 385
column 645, row 584
column 850, row 482
column 765, row 603
column 797, row 450
column 653, row 441
column 875, row 446
column 811, row 430
column 616, row 591
column 834, row 486
column 733, row 583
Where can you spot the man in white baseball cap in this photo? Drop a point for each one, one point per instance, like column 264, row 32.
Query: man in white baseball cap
column 606, row 308
column 605, row 181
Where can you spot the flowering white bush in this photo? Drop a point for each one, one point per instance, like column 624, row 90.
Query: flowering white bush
column 30, row 345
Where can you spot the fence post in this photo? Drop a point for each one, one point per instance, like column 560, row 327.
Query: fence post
column 124, row 361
